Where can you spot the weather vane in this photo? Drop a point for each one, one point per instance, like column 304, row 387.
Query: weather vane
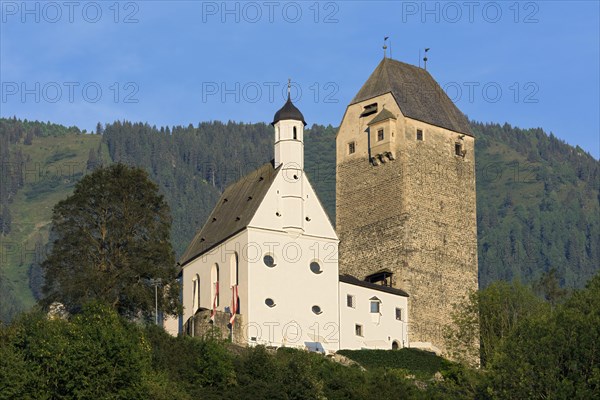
column 385, row 47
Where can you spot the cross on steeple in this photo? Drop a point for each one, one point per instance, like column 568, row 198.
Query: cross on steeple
column 289, row 87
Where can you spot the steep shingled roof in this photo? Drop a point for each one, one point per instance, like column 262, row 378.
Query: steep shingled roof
column 418, row 95
column 233, row 212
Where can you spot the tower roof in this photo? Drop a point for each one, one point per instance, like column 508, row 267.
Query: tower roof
column 288, row 111
column 418, row 95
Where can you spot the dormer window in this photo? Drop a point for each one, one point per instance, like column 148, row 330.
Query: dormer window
column 380, row 135
column 375, row 304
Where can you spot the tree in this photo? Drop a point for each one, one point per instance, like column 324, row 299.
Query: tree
column 5, row 220
column 492, row 314
column 110, row 240
column 549, row 287
column 94, row 355
column 554, row 354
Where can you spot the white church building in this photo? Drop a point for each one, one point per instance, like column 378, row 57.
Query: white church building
column 264, row 266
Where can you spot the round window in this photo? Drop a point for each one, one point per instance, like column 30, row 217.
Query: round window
column 269, row 261
column 315, row 267
column 269, row 302
column 316, row 310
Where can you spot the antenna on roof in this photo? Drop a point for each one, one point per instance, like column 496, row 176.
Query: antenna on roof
column 425, row 58
column 385, row 46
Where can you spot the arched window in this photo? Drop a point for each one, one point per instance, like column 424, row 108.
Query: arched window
column 295, row 134
column 196, row 294
column 233, row 269
column 395, row 345
column 214, row 279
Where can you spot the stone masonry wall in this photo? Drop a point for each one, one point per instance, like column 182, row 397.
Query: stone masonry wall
column 200, row 325
column 414, row 215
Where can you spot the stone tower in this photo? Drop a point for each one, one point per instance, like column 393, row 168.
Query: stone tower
column 405, row 190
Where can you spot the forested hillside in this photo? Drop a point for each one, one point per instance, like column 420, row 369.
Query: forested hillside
column 537, row 206
column 538, row 202
column 41, row 162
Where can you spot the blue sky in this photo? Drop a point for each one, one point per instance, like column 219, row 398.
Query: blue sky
column 531, row 64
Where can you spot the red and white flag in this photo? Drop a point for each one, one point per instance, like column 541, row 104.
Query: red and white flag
column 234, row 304
column 214, row 310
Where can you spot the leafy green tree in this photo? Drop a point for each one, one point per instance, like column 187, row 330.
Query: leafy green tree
column 549, row 287
column 555, row 354
column 95, row 355
column 193, row 365
column 111, row 240
column 490, row 315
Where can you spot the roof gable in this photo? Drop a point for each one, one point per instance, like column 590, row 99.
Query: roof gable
column 385, row 114
column 317, row 222
column 418, row 95
column 233, row 212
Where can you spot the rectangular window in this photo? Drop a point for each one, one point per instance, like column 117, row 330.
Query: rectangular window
column 399, row 314
column 351, row 147
column 419, row 134
column 380, row 135
column 350, row 301
column 358, row 330
column 375, row 307
column 458, row 149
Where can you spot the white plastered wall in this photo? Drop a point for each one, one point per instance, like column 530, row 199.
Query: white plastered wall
column 379, row 330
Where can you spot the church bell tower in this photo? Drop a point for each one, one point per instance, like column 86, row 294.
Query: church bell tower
column 289, row 155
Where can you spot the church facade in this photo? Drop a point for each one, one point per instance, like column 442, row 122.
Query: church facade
column 268, row 257
column 269, row 268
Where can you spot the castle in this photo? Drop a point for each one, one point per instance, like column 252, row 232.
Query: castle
column 269, row 268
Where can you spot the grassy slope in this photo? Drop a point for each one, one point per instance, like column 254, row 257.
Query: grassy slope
column 53, row 167
column 422, row 364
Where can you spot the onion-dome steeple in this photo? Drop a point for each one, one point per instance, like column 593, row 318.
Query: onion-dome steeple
column 289, row 135
column 288, row 111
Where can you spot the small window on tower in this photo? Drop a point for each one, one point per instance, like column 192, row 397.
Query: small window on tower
column 380, row 135
column 458, row 149
column 351, row 148
column 269, row 260
column 295, row 134
column 315, row 267
column 419, row 134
